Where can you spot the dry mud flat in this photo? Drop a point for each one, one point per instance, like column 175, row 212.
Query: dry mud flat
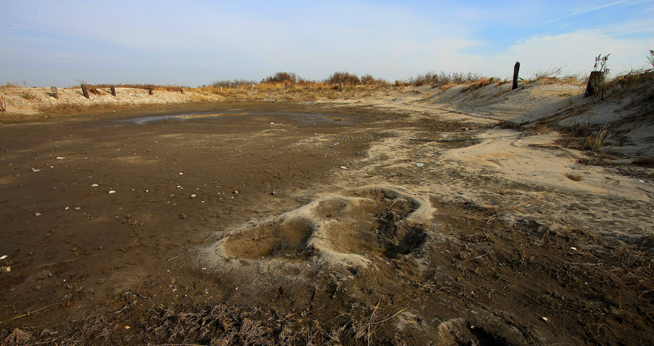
column 290, row 224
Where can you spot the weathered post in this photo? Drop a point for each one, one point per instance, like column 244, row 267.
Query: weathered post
column 3, row 105
column 340, row 86
column 516, row 71
column 55, row 92
column 595, row 84
column 181, row 90
column 85, row 91
column 113, row 90
column 150, row 91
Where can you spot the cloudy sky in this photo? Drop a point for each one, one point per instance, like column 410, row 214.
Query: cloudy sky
column 44, row 43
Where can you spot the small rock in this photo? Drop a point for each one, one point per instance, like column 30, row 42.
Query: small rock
column 147, row 191
column 181, row 173
column 572, row 248
column 67, row 208
column 343, row 167
column 37, row 214
column 78, row 208
column 273, row 193
column 193, row 195
column 60, row 158
column 3, row 257
column 94, row 185
column 35, row 170
column 545, row 319
column 236, row 192
column 6, row 269
column 420, row 164
column 111, row 192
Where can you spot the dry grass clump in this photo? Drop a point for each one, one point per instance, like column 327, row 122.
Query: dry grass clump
column 573, row 176
column 217, row 324
column 234, row 83
column 441, row 79
column 28, row 95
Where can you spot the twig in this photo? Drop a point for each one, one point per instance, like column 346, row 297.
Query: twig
column 53, row 263
column 29, row 313
column 397, row 313
column 174, row 257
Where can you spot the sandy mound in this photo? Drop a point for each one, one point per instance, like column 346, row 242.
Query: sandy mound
column 338, row 231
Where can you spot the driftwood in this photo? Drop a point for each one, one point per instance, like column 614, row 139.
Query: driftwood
column 113, row 90
column 85, row 91
column 595, row 84
column 516, row 70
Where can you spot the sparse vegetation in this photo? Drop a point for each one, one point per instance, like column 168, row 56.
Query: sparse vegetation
column 28, row 95
column 573, row 176
column 343, row 77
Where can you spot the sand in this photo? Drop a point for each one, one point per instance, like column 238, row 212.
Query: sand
column 408, row 215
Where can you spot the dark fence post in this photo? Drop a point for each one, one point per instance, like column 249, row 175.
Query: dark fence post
column 113, row 90
column 85, row 91
column 340, row 86
column 516, row 71
column 181, row 90
column 595, row 84
column 55, row 92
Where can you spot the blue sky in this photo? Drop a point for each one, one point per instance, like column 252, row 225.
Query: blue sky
column 192, row 43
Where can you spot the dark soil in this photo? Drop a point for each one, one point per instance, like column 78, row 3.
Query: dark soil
column 92, row 267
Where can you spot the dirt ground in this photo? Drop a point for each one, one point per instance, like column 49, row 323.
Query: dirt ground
column 333, row 224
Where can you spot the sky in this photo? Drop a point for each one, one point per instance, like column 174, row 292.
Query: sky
column 197, row 42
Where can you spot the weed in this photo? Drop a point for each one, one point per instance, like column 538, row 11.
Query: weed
column 235, row 83
column 28, row 95
column 552, row 73
column 573, row 177
column 596, row 141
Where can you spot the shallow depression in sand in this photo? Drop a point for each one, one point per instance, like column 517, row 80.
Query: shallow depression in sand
column 274, row 239
column 356, row 227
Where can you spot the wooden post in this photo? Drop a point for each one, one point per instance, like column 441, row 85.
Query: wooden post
column 516, row 70
column 3, row 105
column 113, row 90
column 595, row 84
column 340, row 86
column 181, row 90
column 55, row 92
column 85, row 91
column 150, row 87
